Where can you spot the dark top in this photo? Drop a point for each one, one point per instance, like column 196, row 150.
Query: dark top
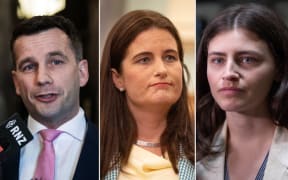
column 259, row 175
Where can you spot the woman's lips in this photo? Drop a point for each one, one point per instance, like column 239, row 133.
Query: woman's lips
column 161, row 84
column 231, row 91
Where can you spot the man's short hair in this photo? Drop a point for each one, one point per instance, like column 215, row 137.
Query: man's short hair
column 38, row 24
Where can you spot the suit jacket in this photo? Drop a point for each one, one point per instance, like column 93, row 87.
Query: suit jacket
column 186, row 170
column 87, row 167
column 212, row 167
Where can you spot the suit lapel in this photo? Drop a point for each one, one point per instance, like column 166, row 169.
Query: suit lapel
column 212, row 167
column 87, row 167
column 10, row 167
column 277, row 163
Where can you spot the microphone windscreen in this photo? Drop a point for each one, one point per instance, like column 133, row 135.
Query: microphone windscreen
column 16, row 131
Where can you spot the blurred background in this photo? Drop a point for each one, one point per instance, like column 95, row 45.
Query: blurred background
column 207, row 9
column 180, row 12
column 83, row 13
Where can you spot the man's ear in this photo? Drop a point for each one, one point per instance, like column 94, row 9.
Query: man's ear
column 16, row 82
column 83, row 72
column 117, row 80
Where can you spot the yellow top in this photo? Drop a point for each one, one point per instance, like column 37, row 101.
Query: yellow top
column 144, row 165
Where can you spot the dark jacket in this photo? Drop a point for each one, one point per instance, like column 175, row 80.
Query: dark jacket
column 87, row 167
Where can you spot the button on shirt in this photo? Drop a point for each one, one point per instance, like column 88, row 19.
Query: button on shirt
column 67, row 147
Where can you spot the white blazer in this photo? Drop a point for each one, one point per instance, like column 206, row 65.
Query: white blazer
column 212, row 167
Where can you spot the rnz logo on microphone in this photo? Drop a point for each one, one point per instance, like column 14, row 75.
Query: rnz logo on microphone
column 15, row 131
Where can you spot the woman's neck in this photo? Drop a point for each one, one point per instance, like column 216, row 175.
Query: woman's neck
column 150, row 126
column 150, row 121
column 249, row 137
column 249, row 127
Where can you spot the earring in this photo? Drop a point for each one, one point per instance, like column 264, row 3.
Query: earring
column 121, row 89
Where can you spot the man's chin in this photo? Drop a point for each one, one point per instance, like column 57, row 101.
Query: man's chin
column 47, row 113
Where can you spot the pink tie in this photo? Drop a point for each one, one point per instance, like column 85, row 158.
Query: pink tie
column 45, row 169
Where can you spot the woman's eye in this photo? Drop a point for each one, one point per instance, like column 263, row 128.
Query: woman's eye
column 247, row 60
column 217, row 60
column 170, row 58
column 143, row 60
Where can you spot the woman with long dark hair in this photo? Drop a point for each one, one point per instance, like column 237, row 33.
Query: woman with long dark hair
column 146, row 129
column 242, row 96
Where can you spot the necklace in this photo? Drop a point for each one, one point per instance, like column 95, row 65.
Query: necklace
column 147, row 144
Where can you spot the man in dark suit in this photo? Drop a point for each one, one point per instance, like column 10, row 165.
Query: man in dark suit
column 48, row 72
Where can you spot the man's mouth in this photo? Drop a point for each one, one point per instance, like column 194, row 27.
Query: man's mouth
column 47, row 97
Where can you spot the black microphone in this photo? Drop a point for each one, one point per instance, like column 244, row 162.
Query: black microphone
column 14, row 134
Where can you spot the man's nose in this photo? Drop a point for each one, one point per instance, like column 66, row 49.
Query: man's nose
column 43, row 76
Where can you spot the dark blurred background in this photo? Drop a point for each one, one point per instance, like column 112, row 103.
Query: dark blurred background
column 84, row 14
column 207, row 9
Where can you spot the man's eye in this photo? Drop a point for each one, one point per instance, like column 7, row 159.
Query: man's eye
column 56, row 62
column 28, row 68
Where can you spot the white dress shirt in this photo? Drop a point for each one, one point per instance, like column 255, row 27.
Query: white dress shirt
column 67, row 147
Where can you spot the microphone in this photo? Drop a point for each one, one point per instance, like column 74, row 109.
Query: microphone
column 14, row 134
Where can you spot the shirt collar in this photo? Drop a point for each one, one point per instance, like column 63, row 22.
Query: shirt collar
column 75, row 127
